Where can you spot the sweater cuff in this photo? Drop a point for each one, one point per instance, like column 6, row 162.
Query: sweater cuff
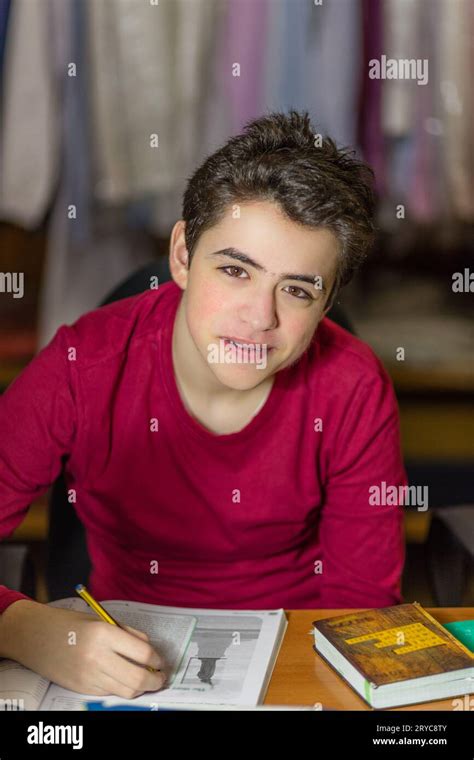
column 7, row 597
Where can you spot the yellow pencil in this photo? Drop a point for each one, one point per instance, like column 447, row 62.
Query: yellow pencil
column 97, row 607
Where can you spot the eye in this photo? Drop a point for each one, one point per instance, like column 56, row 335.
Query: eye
column 304, row 297
column 239, row 269
column 234, row 271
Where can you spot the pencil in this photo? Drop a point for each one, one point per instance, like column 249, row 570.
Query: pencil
column 97, row 607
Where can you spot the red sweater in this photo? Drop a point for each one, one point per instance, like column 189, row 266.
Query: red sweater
column 275, row 515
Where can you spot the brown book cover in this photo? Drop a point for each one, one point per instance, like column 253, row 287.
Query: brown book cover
column 395, row 644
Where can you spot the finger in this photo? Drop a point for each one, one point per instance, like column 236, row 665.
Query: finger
column 111, row 687
column 131, row 646
column 131, row 676
column 136, row 632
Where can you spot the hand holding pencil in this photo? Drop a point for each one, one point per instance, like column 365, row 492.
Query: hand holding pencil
column 97, row 607
column 82, row 652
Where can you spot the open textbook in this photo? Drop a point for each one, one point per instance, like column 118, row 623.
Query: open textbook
column 212, row 656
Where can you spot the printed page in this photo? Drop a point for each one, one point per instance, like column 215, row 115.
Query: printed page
column 20, row 687
column 223, row 657
column 169, row 633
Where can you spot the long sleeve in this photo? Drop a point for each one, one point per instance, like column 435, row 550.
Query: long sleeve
column 37, row 424
column 362, row 541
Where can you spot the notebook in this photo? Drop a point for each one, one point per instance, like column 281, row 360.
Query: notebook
column 395, row 655
column 463, row 630
column 212, row 656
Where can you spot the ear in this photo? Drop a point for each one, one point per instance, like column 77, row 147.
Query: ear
column 178, row 255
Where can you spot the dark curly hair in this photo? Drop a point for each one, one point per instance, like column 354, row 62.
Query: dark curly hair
column 279, row 158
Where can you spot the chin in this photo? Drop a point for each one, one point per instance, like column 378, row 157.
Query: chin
column 240, row 378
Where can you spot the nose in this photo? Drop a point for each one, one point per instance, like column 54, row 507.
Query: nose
column 259, row 312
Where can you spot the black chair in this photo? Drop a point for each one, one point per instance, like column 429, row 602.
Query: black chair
column 450, row 554
column 67, row 558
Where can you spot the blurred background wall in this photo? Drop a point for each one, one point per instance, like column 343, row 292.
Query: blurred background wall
column 107, row 106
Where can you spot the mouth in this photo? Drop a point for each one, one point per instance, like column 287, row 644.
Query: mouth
column 241, row 343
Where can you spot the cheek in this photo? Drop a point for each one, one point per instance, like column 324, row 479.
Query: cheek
column 205, row 308
column 298, row 337
column 299, row 330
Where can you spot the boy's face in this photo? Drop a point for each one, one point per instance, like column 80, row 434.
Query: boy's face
column 260, row 304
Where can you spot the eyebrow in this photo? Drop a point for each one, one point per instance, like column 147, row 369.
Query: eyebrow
column 234, row 253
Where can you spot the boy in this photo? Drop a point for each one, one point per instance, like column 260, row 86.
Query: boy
column 220, row 436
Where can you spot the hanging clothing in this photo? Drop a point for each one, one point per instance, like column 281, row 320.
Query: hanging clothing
column 4, row 14
column 370, row 133
column 154, row 94
column 456, row 64
column 86, row 256
column 399, row 41
column 193, row 55
column 147, row 67
column 425, row 168
column 333, row 68
column 30, row 137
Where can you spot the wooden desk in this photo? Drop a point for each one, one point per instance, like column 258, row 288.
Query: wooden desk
column 301, row 677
